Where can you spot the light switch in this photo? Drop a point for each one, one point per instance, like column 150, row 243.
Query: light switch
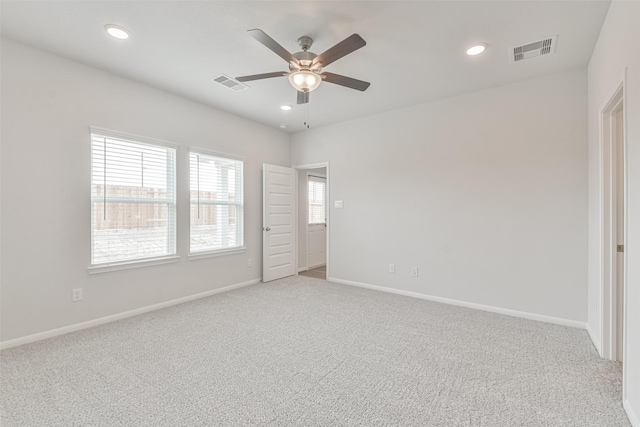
column 338, row 204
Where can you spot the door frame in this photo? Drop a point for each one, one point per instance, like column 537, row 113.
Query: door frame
column 608, row 215
column 306, row 167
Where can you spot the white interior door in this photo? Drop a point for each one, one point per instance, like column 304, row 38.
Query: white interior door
column 316, row 222
column 278, row 222
column 317, row 242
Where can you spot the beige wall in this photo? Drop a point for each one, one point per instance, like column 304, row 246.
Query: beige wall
column 48, row 104
column 486, row 193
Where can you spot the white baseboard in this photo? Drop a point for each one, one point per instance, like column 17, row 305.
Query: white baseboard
column 633, row 418
column 596, row 342
column 302, row 269
column 499, row 310
column 102, row 320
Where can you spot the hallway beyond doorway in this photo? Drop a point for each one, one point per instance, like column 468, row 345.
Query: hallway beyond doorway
column 318, row 273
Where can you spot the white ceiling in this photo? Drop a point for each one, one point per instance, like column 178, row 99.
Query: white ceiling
column 415, row 50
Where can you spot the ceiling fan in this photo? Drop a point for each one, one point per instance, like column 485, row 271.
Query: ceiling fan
column 305, row 68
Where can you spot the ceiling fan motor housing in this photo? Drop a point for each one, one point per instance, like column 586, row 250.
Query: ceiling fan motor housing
column 305, row 42
column 305, row 60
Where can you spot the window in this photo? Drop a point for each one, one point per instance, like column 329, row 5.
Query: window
column 133, row 199
column 316, row 199
column 217, row 203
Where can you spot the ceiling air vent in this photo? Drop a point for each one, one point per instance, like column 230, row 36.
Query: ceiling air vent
column 531, row 50
column 229, row 82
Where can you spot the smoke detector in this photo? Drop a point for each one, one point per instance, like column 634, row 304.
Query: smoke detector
column 534, row 49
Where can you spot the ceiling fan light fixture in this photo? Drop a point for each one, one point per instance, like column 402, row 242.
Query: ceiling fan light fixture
column 304, row 80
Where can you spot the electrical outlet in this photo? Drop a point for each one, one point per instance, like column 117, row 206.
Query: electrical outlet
column 414, row 271
column 249, row 264
column 76, row 295
column 392, row 268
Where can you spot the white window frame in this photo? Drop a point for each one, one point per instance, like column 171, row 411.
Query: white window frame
column 172, row 255
column 239, row 204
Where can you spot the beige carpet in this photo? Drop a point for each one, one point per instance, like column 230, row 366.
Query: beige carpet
column 306, row 352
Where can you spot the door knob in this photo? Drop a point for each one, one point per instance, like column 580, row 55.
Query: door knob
column 267, row 229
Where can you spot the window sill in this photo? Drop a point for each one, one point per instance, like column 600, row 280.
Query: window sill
column 221, row 252
column 125, row 265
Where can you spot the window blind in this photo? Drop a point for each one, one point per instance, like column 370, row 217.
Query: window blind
column 133, row 207
column 317, row 188
column 217, row 203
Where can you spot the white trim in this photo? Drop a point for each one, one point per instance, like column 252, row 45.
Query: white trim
column 633, row 418
column 132, row 137
column 596, row 342
column 450, row 301
column 207, row 152
column 608, row 218
column 625, row 255
column 313, row 166
column 112, row 318
column 126, row 265
column 221, row 252
column 303, row 269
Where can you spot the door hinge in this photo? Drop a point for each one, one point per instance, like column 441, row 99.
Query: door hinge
column 620, row 248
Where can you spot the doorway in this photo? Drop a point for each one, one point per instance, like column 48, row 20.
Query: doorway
column 313, row 220
column 316, row 218
column 614, row 226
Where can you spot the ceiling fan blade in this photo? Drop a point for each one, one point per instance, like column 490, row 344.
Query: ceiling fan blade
column 345, row 47
column 303, row 97
column 263, row 38
column 345, row 81
column 261, row 76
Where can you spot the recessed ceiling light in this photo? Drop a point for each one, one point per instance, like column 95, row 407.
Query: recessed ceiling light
column 285, row 107
column 477, row 49
column 117, row 31
column 283, row 126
